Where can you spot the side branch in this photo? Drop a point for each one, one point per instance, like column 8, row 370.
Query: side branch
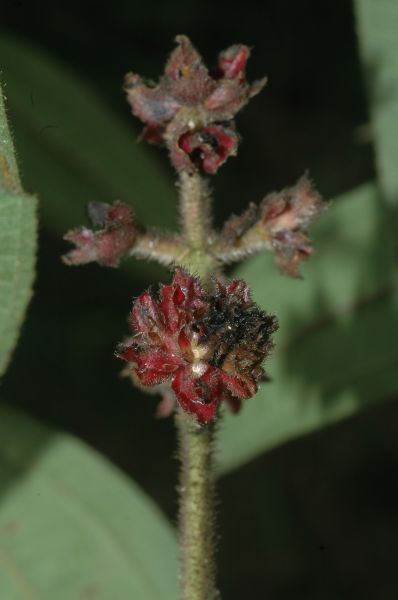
column 165, row 248
column 116, row 236
column 241, row 236
column 278, row 223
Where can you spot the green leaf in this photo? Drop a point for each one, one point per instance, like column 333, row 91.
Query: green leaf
column 73, row 149
column 336, row 351
column 17, row 257
column 72, row 526
column 377, row 25
column 17, row 243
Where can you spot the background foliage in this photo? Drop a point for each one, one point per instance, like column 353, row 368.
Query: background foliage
column 314, row 518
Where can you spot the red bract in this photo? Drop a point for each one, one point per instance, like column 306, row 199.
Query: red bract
column 208, row 346
column 107, row 245
column 188, row 100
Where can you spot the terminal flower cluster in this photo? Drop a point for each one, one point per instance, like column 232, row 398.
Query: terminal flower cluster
column 190, row 110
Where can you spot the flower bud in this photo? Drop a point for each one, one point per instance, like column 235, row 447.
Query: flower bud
column 106, row 246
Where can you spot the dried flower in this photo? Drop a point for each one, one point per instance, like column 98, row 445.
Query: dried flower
column 208, row 346
column 286, row 217
column 279, row 223
column 117, row 234
column 192, row 110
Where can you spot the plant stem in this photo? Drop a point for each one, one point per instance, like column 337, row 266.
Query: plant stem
column 196, row 442
column 195, row 210
column 196, row 517
column 9, row 175
column 166, row 249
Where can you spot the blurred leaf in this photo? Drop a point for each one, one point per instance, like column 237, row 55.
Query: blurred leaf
column 336, row 350
column 72, row 526
column 73, row 149
column 17, row 243
column 17, row 257
column 377, row 25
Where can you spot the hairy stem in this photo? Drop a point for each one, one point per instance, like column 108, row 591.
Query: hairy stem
column 195, row 210
column 196, row 515
column 196, row 518
column 167, row 250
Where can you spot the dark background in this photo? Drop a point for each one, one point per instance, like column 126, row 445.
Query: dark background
column 317, row 517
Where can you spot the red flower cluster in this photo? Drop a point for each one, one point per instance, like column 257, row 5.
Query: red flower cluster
column 191, row 110
column 117, row 234
column 209, row 346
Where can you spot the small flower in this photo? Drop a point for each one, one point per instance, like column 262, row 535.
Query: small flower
column 192, row 110
column 286, row 217
column 107, row 245
column 209, row 347
column 279, row 223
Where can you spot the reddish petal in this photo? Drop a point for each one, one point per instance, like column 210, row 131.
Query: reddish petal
column 183, row 279
column 183, row 58
column 191, row 295
column 145, row 314
column 178, row 296
column 186, row 76
column 199, row 397
column 127, row 353
column 242, row 388
column 185, row 344
column 148, row 369
column 156, row 359
column 225, row 96
column 230, row 96
column 232, row 61
column 169, row 309
column 149, row 377
column 153, row 105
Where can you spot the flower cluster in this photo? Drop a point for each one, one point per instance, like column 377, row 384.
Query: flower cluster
column 209, row 346
column 192, row 110
column 286, row 216
column 279, row 223
column 117, row 233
